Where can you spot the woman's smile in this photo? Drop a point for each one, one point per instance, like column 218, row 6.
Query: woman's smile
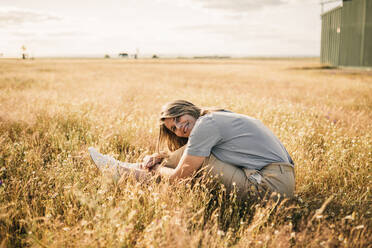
column 185, row 127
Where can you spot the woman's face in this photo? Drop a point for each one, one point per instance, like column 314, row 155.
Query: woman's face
column 181, row 125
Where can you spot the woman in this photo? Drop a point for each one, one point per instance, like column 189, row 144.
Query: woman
column 239, row 150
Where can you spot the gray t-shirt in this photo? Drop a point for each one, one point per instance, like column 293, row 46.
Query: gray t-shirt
column 236, row 139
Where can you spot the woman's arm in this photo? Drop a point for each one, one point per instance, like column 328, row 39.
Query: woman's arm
column 185, row 168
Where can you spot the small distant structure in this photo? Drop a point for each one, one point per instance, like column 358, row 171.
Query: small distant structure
column 155, row 56
column 126, row 55
column 346, row 38
column 137, row 53
column 24, row 54
column 123, row 55
column 106, row 56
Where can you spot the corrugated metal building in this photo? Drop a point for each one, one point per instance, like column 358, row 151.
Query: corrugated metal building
column 346, row 38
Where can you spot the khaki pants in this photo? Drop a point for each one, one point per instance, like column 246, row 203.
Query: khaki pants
column 275, row 177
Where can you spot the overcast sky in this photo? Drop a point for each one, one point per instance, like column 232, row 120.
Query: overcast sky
column 163, row 27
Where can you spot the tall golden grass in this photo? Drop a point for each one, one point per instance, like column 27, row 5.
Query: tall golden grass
column 51, row 194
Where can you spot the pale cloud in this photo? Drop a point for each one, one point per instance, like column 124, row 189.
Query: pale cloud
column 13, row 17
column 271, row 32
column 238, row 5
column 46, row 33
column 289, row 28
column 232, row 6
column 33, row 24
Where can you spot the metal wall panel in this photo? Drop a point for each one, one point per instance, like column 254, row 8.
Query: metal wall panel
column 367, row 53
column 330, row 37
column 324, row 48
column 352, row 28
column 346, row 37
column 324, row 40
column 336, row 35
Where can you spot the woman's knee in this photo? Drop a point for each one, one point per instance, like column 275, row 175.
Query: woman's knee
column 174, row 158
column 280, row 179
column 231, row 176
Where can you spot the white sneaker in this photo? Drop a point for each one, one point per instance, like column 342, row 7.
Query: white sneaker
column 105, row 163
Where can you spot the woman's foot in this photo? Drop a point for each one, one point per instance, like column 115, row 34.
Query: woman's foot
column 105, row 163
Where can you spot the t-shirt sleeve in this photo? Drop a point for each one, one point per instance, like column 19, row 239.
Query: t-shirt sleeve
column 203, row 137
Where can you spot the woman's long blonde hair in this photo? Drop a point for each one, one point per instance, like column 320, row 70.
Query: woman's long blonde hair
column 173, row 110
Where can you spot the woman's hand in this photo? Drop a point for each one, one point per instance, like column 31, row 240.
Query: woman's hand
column 152, row 162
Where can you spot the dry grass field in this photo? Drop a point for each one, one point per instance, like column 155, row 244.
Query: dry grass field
column 51, row 194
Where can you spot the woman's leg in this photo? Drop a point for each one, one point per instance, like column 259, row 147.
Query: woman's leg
column 280, row 177
column 273, row 178
column 116, row 168
column 231, row 176
column 174, row 158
